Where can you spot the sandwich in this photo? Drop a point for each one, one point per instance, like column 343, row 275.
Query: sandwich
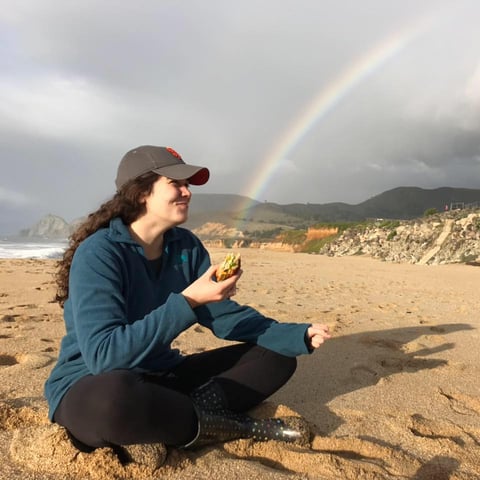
column 229, row 267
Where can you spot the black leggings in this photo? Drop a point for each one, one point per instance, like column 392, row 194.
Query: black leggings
column 124, row 407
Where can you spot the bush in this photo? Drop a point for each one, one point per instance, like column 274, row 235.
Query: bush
column 314, row 246
column 430, row 211
column 293, row 237
column 340, row 226
column 467, row 258
column 392, row 235
column 228, row 242
column 389, row 224
column 264, row 235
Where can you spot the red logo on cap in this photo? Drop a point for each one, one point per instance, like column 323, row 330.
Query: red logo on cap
column 173, row 152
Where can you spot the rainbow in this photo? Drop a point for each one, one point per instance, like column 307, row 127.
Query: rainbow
column 326, row 100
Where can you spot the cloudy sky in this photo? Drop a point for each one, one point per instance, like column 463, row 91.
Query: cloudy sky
column 287, row 101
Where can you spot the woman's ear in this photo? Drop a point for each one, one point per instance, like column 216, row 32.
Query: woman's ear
column 142, row 198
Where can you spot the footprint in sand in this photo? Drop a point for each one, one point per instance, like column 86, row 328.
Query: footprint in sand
column 462, row 403
column 341, row 323
column 382, row 343
column 30, row 360
column 7, row 360
column 462, row 441
column 399, row 359
column 399, row 364
column 330, row 457
column 364, row 375
column 438, row 329
column 435, row 430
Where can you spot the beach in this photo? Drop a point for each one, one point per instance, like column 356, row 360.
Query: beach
column 395, row 394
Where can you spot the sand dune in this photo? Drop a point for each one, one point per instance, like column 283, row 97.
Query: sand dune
column 394, row 394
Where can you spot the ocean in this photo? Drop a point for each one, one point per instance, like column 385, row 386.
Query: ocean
column 25, row 248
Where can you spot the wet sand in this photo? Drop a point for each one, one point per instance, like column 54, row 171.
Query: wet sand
column 394, row 394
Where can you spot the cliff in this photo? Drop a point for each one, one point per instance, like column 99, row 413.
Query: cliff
column 452, row 237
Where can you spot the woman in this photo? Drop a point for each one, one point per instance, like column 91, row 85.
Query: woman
column 130, row 282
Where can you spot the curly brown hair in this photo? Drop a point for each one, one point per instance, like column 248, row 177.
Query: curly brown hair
column 126, row 203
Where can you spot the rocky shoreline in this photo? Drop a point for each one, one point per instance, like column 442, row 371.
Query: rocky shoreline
column 450, row 237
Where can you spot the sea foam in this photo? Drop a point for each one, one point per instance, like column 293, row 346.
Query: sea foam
column 31, row 249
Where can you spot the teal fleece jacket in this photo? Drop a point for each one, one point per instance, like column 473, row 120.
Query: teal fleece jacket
column 123, row 312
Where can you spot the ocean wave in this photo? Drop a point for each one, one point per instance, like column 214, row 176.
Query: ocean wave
column 31, row 249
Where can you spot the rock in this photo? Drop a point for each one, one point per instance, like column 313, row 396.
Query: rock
column 439, row 239
column 50, row 226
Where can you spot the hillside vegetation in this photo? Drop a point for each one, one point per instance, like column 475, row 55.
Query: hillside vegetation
column 435, row 238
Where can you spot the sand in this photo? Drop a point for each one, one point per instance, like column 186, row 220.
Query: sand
column 394, row 394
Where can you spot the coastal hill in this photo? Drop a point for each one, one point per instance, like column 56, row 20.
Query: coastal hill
column 399, row 203
column 406, row 224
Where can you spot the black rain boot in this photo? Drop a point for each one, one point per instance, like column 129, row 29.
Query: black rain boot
column 216, row 423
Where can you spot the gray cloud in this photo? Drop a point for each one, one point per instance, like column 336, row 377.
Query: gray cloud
column 81, row 82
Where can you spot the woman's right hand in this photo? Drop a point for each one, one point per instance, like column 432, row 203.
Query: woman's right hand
column 206, row 290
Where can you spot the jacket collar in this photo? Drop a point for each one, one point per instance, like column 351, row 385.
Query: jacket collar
column 118, row 232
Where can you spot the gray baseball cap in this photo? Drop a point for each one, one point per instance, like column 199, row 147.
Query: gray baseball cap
column 162, row 160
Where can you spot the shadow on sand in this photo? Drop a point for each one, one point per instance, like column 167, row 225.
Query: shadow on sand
column 347, row 363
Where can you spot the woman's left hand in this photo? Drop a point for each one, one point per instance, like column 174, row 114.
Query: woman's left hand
column 317, row 334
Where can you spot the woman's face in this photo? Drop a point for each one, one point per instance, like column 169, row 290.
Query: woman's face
column 168, row 202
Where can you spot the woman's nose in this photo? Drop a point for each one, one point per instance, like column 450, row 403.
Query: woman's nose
column 185, row 191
